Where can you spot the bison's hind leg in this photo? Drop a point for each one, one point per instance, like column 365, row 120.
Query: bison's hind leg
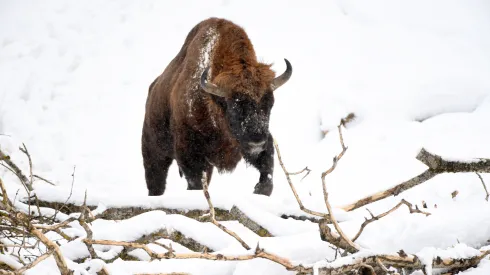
column 156, row 175
column 156, row 164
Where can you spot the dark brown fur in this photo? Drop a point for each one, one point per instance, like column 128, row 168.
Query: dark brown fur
column 182, row 120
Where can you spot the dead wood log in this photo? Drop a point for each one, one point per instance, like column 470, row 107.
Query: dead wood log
column 122, row 213
column 237, row 214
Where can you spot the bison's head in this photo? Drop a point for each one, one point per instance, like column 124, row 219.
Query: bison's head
column 248, row 115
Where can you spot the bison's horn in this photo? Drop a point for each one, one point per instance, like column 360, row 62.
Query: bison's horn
column 210, row 87
column 280, row 80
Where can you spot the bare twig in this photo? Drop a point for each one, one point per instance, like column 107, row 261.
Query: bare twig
column 301, row 206
column 87, row 229
column 69, row 196
column 24, row 150
column 484, row 186
column 308, row 171
column 13, row 167
column 300, row 171
column 375, row 218
column 352, row 246
column 46, row 228
column 43, row 179
column 167, row 247
column 212, row 214
column 35, row 262
column 28, row 185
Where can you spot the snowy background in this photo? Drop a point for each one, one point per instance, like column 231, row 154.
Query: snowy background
column 74, row 77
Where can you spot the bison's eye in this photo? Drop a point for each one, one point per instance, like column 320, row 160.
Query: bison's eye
column 267, row 102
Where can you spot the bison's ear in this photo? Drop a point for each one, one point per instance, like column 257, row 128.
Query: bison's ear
column 210, row 87
column 280, row 80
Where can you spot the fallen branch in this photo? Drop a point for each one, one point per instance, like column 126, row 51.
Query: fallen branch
column 437, row 165
column 484, row 186
column 259, row 253
column 13, row 167
column 249, row 223
column 29, row 182
column 375, row 218
column 43, row 179
column 87, row 229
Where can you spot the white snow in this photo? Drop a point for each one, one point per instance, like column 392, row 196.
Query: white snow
column 74, row 78
column 10, row 261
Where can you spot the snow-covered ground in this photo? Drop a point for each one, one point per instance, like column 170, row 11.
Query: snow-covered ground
column 74, row 78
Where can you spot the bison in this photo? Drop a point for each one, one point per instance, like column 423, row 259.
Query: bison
column 210, row 107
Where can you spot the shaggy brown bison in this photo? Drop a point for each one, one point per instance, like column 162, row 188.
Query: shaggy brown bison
column 209, row 108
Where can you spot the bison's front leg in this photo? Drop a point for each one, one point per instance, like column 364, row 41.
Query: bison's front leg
column 264, row 162
column 194, row 173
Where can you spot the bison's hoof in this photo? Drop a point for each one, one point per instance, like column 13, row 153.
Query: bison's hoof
column 263, row 188
column 152, row 193
column 194, row 187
